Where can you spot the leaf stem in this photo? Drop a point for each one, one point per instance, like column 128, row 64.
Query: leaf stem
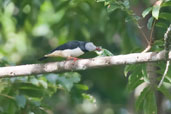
column 151, row 33
column 4, row 95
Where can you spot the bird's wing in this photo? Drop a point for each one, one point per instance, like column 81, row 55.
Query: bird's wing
column 69, row 45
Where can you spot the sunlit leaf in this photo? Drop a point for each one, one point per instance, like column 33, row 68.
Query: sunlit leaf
column 89, row 97
column 100, row 0
column 34, row 81
column 145, row 75
column 43, row 83
column 82, row 87
column 106, row 3
column 146, row 12
column 168, row 78
column 165, row 4
column 156, row 9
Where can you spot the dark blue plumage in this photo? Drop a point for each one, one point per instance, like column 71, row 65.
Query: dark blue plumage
column 72, row 45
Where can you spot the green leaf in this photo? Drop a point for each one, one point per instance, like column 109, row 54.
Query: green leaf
column 68, row 80
column 145, row 75
column 140, row 99
column 106, row 3
column 165, row 4
column 52, row 78
column 155, row 11
column 150, row 23
column 134, row 81
column 89, row 97
column 112, row 7
column 168, row 79
column 128, row 69
column 146, row 12
column 43, row 83
column 165, row 91
column 21, row 101
column 107, row 52
column 150, row 105
column 34, row 81
column 100, row 0
column 11, row 108
column 30, row 90
column 166, row 16
column 135, row 77
column 158, row 46
column 104, row 52
column 82, row 87
column 3, row 85
column 126, row 3
column 162, row 25
column 3, row 61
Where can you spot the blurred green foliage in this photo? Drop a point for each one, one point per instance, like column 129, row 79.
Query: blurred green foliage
column 30, row 29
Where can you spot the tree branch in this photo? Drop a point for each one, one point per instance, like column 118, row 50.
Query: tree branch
column 82, row 64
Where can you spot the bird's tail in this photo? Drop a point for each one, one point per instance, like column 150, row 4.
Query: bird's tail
column 43, row 58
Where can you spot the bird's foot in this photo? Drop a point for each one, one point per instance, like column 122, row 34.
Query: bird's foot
column 72, row 58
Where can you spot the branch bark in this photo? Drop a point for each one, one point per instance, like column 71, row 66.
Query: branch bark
column 82, row 64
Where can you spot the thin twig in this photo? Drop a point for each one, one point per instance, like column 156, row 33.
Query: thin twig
column 164, row 75
column 151, row 33
column 145, row 37
column 146, row 49
column 151, row 37
column 142, row 32
column 9, row 97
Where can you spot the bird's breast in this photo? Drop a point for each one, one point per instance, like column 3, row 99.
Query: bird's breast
column 66, row 53
column 74, row 52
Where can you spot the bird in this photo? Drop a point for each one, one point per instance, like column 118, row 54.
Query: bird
column 71, row 50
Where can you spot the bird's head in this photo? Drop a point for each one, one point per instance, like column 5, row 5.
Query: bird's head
column 89, row 46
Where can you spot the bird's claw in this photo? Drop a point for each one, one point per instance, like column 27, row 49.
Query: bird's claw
column 72, row 58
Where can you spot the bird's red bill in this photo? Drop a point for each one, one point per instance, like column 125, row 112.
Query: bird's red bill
column 98, row 49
